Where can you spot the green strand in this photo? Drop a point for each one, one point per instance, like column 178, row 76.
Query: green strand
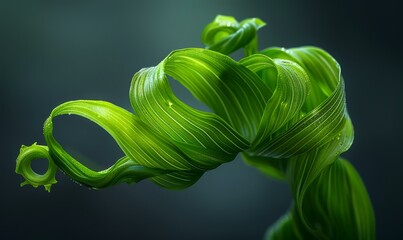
column 284, row 110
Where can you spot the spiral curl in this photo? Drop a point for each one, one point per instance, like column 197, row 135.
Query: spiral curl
column 284, row 110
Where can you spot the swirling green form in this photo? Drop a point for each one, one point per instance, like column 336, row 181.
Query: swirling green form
column 284, row 110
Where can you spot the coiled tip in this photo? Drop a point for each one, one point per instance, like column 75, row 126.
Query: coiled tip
column 23, row 166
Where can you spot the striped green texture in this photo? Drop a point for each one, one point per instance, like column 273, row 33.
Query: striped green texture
column 284, row 110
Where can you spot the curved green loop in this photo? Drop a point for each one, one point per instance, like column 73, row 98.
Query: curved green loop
column 290, row 88
column 283, row 110
column 23, row 166
column 226, row 35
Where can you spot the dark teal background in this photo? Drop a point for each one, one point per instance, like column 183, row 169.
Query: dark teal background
column 56, row 51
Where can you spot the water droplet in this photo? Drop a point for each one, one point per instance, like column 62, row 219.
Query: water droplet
column 283, row 105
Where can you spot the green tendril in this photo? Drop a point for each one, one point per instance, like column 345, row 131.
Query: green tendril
column 23, row 166
column 226, row 35
column 284, row 110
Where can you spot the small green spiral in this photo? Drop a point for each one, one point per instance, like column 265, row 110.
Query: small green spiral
column 284, row 110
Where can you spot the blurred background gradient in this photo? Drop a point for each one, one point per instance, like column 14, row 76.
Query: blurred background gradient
column 56, row 51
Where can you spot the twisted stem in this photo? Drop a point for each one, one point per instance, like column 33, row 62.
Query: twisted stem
column 284, row 110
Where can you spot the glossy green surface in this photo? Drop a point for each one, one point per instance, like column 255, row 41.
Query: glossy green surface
column 283, row 109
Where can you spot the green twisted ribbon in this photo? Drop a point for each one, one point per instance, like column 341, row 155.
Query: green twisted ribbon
column 284, row 110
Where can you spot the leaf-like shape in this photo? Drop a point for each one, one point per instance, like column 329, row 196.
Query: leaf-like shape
column 226, row 35
column 337, row 204
column 321, row 121
column 284, row 110
column 147, row 153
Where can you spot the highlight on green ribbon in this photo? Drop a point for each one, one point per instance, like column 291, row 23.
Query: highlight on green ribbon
column 283, row 110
